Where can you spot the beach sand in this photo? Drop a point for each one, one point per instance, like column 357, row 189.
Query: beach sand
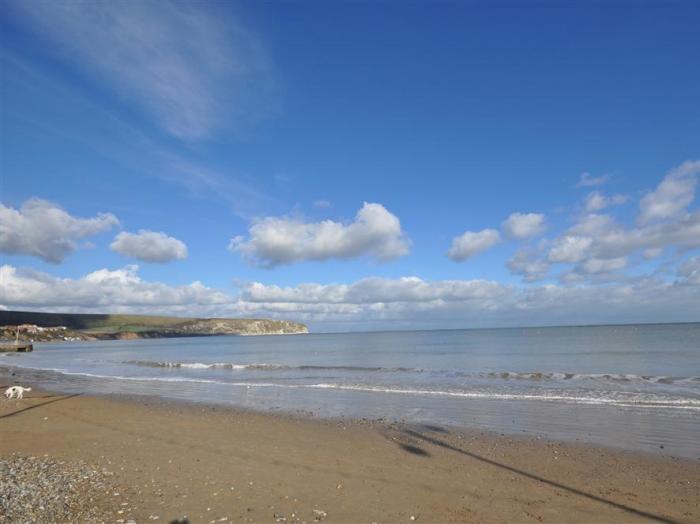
column 166, row 461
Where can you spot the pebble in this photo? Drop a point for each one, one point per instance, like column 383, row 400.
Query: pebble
column 43, row 489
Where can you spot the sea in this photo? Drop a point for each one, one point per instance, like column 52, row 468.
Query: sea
column 634, row 387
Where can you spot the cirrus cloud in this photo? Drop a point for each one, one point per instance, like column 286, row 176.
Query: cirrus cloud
column 189, row 66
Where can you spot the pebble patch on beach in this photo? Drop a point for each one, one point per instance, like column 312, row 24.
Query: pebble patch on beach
column 42, row 489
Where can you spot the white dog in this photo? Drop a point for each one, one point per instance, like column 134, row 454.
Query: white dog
column 15, row 391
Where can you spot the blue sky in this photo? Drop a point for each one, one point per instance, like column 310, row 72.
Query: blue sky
column 234, row 146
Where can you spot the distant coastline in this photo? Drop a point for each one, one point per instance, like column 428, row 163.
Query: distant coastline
column 96, row 326
column 70, row 327
column 495, row 328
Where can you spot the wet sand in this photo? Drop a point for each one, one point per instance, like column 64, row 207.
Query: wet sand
column 168, row 461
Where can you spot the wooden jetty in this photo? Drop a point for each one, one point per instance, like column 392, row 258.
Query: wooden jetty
column 16, row 348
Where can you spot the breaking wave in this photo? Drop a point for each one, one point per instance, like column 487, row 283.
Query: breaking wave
column 613, row 377
column 264, row 367
column 605, row 398
column 602, row 398
column 535, row 376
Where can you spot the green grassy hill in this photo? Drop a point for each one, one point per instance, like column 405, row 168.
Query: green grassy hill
column 90, row 322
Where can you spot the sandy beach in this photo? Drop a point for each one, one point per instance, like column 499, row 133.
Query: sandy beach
column 162, row 461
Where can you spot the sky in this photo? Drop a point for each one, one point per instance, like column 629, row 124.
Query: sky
column 352, row 165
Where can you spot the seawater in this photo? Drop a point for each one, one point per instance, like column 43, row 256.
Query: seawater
column 635, row 386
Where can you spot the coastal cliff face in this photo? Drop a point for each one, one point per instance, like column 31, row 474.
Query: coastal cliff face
column 216, row 326
column 48, row 327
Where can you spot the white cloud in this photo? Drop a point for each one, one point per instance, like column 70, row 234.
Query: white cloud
column 588, row 180
column 275, row 241
column 594, row 224
column 523, row 225
column 598, row 265
column 110, row 290
column 149, row 246
column 529, row 264
column 596, row 201
column 689, row 271
column 618, row 241
column 672, row 196
column 570, row 249
column 598, row 245
column 470, row 243
column 42, row 229
column 191, row 67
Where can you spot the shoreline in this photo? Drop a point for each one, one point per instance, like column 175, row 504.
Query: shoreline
column 599, row 425
column 171, row 459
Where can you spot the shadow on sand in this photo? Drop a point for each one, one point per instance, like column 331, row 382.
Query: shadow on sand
column 413, row 436
column 54, row 398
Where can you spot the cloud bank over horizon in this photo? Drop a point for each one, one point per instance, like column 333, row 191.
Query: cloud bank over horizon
column 369, row 303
